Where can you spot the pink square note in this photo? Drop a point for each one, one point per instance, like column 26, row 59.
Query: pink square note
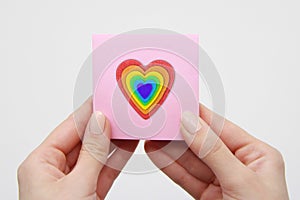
column 143, row 85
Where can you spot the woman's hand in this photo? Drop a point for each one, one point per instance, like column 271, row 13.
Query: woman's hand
column 63, row 167
column 234, row 166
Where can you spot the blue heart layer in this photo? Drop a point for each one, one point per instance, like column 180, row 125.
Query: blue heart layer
column 144, row 89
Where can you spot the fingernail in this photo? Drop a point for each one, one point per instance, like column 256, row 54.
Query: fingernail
column 97, row 123
column 191, row 122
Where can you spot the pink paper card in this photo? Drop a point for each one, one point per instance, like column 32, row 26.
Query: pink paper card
column 143, row 85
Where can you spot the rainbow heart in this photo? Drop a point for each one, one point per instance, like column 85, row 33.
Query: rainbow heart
column 145, row 87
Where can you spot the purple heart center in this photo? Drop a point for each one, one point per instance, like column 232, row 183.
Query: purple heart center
column 144, row 89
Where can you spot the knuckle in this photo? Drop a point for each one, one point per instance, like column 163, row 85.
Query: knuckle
column 70, row 116
column 211, row 144
column 197, row 143
column 210, row 150
column 20, row 170
column 95, row 148
column 278, row 159
column 217, row 147
column 181, row 180
column 54, row 156
column 27, row 166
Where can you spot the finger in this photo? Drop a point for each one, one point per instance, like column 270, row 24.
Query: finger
column 232, row 135
column 179, row 151
column 94, row 150
column 175, row 171
column 210, row 149
column 123, row 149
column 67, row 135
column 72, row 157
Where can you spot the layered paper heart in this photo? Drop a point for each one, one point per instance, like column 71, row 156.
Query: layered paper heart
column 145, row 87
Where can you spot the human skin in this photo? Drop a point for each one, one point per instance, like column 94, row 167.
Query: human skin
column 234, row 165
column 63, row 167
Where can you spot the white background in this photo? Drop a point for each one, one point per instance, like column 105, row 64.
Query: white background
column 254, row 44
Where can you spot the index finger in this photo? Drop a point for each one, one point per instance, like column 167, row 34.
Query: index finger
column 69, row 133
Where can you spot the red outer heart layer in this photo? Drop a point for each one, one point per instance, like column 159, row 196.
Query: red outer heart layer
column 167, row 66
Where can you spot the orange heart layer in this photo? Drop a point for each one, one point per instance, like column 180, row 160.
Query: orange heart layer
column 145, row 87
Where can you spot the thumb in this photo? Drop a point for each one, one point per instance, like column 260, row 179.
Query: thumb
column 94, row 150
column 206, row 144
